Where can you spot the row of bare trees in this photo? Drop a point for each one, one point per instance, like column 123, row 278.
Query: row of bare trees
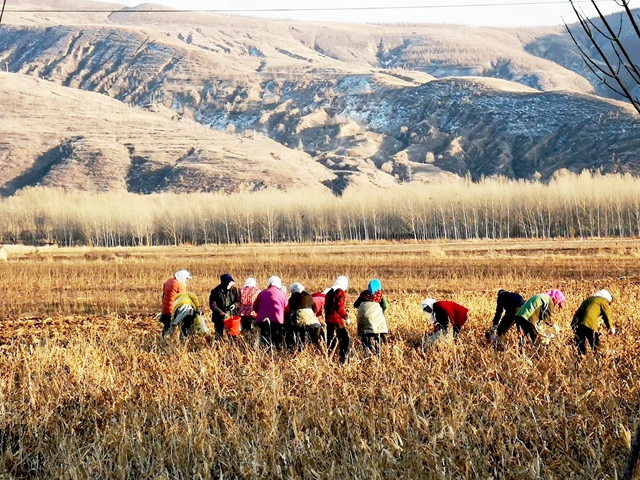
column 570, row 206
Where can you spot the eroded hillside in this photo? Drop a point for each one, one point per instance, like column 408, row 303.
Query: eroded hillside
column 62, row 137
column 362, row 104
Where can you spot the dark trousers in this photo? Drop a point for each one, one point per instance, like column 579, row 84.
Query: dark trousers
column 311, row 334
column 271, row 334
column 186, row 325
column 505, row 324
column 339, row 335
column 165, row 320
column 218, row 324
column 371, row 342
column 582, row 335
column 527, row 328
column 247, row 323
column 445, row 327
column 290, row 336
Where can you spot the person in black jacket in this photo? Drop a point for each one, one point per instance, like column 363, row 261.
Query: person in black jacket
column 224, row 302
column 302, row 324
column 508, row 303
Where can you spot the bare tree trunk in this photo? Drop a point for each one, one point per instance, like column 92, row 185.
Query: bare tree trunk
column 633, row 456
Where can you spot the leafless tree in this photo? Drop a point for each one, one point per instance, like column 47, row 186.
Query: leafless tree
column 605, row 52
column 4, row 2
column 614, row 67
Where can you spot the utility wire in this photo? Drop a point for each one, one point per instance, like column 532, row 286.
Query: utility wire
column 2, row 11
column 313, row 9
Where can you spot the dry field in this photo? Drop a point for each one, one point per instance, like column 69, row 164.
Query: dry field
column 89, row 390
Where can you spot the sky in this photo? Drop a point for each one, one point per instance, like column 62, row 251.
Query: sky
column 509, row 13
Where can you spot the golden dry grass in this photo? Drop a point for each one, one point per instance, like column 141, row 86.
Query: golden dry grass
column 88, row 390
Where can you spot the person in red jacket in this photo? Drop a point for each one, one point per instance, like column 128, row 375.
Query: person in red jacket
column 445, row 314
column 337, row 318
column 171, row 289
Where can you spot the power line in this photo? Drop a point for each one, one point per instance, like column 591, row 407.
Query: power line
column 313, row 9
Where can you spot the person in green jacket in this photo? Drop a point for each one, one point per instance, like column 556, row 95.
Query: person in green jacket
column 586, row 321
column 537, row 311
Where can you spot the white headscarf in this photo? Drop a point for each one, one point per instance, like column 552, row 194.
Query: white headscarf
column 274, row 281
column 251, row 282
column 604, row 294
column 296, row 288
column 429, row 302
column 182, row 276
column 342, row 283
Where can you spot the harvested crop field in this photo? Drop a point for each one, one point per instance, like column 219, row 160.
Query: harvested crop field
column 89, row 389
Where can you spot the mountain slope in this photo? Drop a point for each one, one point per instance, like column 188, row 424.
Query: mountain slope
column 354, row 104
column 256, row 46
column 63, row 137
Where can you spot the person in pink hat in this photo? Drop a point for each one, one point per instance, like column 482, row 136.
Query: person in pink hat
column 537, row 311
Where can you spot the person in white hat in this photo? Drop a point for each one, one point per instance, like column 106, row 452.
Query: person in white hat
column 586, row 320
column 337, row 318
column 270, row 307
column 170, row 290
column 302, row 325
column 248, row 295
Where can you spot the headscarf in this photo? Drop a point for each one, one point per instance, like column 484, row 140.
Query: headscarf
column 557, row 296
column 374, row 286
column 427, row 307
column 251, row 282
column 296, row 288
column 604, row 294
column 274, row 281
column 341, row 283
column 182, row 276
column 428, row 302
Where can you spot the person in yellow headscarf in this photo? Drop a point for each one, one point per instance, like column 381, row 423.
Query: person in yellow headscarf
column 187, row 314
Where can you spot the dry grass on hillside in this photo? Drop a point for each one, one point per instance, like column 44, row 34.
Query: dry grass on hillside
column 244, row 48
column 88, row 390
column 80, row 140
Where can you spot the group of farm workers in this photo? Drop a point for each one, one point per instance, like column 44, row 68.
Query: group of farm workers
column 532, row 316
column 313, row 318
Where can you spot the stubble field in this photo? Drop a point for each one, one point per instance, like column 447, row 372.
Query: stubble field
column 89, row 390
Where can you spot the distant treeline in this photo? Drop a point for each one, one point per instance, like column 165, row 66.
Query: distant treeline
column 570, row 205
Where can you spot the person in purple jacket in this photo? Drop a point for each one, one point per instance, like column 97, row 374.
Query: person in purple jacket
column 270, row 306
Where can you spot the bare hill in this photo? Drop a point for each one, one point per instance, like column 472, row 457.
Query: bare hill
column 256, row 46
column 368, row 104
column 63, row 137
